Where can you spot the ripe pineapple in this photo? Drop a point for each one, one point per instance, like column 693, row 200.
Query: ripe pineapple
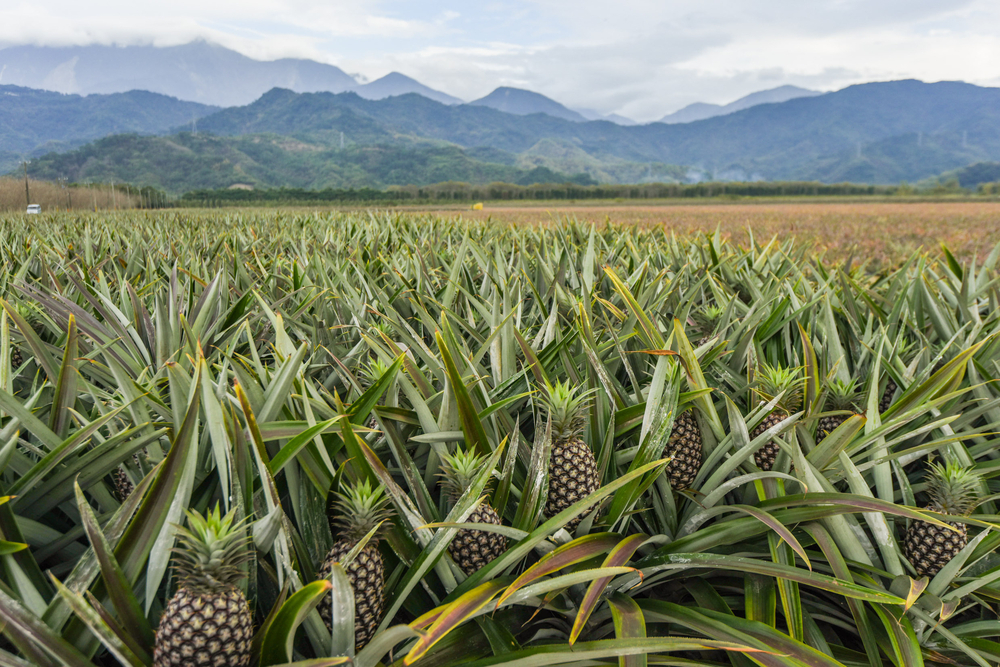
column 207, row 622
column 684, row 447
column 952, row 490
column 572, row 466
column 773, row 381
column 843, row 396
column 356, row 512
column 471, row 549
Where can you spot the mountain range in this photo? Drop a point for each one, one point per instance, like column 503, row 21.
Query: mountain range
column 703, row 110
column 872, row 133
column 198, row 72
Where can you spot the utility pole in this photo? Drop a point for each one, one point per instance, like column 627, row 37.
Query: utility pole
column 27, row 194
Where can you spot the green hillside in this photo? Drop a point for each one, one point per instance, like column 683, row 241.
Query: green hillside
column 185, row 161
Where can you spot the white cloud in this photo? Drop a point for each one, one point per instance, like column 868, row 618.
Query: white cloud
column 640, row 58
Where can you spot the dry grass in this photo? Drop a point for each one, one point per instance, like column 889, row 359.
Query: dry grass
column 53, row 197
column 879, row 231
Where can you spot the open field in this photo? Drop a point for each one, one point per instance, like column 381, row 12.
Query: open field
column 459, row 442
column 879, row 231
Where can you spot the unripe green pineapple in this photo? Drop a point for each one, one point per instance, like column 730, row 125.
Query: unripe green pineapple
column 572, row 466
column 685, row 451
column 16, row 358
column 471, row 549
column 953, row 490
column 842, row 396
column 774, row 380
column 887, row 395
column 355, row 513
column 207, row 623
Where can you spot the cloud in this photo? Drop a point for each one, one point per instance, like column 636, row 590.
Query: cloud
column 640, row 58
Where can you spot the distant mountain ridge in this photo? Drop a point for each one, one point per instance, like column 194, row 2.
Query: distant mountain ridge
column 33, row 122
column 525, row 102
column 793, row 139
column 703, row 110
column 870, row 133
column 199, row 71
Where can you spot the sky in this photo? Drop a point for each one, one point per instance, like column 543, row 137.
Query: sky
column 639, row 58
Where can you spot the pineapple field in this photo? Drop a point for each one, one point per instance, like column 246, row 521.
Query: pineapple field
column 374, row 438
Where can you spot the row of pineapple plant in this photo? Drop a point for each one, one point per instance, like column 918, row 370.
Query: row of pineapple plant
column 589, row 440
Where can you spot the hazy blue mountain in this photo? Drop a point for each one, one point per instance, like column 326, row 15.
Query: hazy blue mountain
column 773, row 141
column 33, row 122
column 199, row 71
column 703, row 110
column 878, row 132
column 593, row 114
column 395, row 83
column 524, row 102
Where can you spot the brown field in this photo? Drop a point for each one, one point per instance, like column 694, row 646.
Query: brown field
column 879, row 231
column 54, row 197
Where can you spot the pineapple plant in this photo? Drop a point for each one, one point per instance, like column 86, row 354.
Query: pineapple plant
column 371, row 372
column 355, row 513
column 776, row 380
column 471, row 549
column 572, row 467
column 208, row 621
column 953, row 490
column 685, row 451
column 707, row 320
column 843, row 395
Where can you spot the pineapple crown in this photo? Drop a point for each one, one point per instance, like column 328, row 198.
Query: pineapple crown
column 360, row 508
column 708, row 317
column 212, row 549
column 843, row 394
column 774, row 380
column 460, row 470
column 373, row 370
column 952, row 488
column 567, row 410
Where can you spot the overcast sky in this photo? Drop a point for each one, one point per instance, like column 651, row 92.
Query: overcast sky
column 640, row 58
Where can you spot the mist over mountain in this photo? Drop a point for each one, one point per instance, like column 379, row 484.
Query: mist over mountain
column 199, row 72
column 704, row 110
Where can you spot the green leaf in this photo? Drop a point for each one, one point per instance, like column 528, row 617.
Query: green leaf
column 441, row 621
column 277, row 646
column 629, row 624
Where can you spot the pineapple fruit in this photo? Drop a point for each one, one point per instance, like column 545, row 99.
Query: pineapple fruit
column 685, row 451
column 207, row 623
column 471, row 549
column 953, row 490
column 887, row 395
column 355, row 513
column 842, row 396
column 572, row 466
column 776, row 380
column 123, row 483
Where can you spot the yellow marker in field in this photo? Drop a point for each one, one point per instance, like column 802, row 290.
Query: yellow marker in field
column 477, row 207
